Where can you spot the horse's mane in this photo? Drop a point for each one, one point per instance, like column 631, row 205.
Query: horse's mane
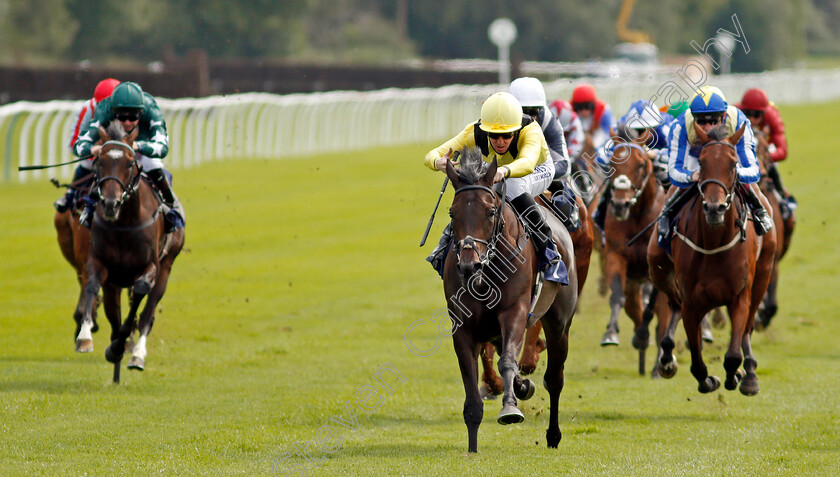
column 472, row 166
column 718, row 133
column 116, row 130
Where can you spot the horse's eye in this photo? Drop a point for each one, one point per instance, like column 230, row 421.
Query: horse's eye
column 491, row 213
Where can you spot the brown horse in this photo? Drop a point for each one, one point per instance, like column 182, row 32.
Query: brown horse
column 784, row 229
column 582, row 240
column 717, row 261
column 128, row 248
column 74, row 241
column 636, row 201
column 489, row 279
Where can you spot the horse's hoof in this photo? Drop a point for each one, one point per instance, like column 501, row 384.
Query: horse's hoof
column 749, row 386
column 84, row 346
column 111, row 356
column 732, row 383
column 707, row 335
column 709, row 384
column 668, row 370
column 510, row 415
column 610, row 339
column 136, row 363
column 553, row 438
column 485, row 393
column 529, row 389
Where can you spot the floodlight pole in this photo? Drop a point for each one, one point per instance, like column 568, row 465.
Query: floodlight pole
column 502, row 33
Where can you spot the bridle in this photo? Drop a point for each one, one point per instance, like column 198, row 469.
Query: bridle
column 623, row 182
column 133, row 180
column 726, row 189
column 468, row 242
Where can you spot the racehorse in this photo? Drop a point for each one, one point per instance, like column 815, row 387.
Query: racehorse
column 489, row 280
column 717, row 261
column 784, row 229
column 74, row 241
column 128, row 248
column 637, row 200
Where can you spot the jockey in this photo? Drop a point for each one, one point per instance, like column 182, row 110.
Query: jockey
column 572, row 129
column 764, row 115
column 133, row 108
column 596, row 116
column 531, row 95
column 652, row 129
column 516, row 141
column 83, row 119
column 708, row 109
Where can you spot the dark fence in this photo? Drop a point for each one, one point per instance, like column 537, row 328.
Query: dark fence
column 196, row 76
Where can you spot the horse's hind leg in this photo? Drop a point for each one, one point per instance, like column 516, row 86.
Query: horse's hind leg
column 557, row 346
column 617, row 300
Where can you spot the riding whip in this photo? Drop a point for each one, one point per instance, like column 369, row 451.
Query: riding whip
column 432, row 218
column 31, row 168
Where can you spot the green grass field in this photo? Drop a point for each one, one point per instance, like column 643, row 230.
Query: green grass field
column 296, row 286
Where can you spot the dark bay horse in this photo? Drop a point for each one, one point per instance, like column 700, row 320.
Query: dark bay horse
column 717, row 261
column 784, row 229
column 636, row 201
column 489, row 278
column 128, row 249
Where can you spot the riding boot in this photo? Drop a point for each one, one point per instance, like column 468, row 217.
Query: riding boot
column 65, row 202
column 438, row 256
column 600, row 215
column 549, row 259
column 174, row 219
column 564, row 205
column 761, row 219
column 669, row 212
column 86, row 217
column 788, row 203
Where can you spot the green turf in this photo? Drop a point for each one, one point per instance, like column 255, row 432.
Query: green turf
column 297, row 283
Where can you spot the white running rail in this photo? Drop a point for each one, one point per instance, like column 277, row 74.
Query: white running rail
column 262, row 126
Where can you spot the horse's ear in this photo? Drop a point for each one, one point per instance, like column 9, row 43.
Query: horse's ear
column 490, row 174
column 733, row 139
column 452, row 173
column 701, row 134
column 103, row 135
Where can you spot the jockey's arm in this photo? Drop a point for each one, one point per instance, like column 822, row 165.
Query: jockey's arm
column 748, row 170
column 576, row 138
column 557, row 146
column 87, row 139
column 777, row 135
column 678, row 173
column 157, row 146
column 532, row 148
column 464, row 139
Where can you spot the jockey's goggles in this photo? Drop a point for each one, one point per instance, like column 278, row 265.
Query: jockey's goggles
column 506, row 135
column 588, row 106
column 531, row 110
column 128, row 115
column 753, row 113
column 708, row 119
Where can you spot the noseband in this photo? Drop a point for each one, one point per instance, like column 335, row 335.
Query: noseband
column 133, row 180
column 468, row 242
column 726, row 189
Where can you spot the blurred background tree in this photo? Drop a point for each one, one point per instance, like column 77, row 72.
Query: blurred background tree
column 779, row 32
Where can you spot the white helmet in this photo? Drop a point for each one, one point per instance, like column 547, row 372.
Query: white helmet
column 529, row 92
column 643, row 115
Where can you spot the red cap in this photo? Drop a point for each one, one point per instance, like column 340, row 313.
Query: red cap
column 755, row 99
column 585, row 93
column 561, row 104
column 104, row 89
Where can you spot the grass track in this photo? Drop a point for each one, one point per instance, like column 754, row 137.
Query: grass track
column 298, row 282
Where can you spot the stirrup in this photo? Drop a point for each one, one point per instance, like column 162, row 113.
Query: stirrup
column 761, row 221
column 664, row 235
